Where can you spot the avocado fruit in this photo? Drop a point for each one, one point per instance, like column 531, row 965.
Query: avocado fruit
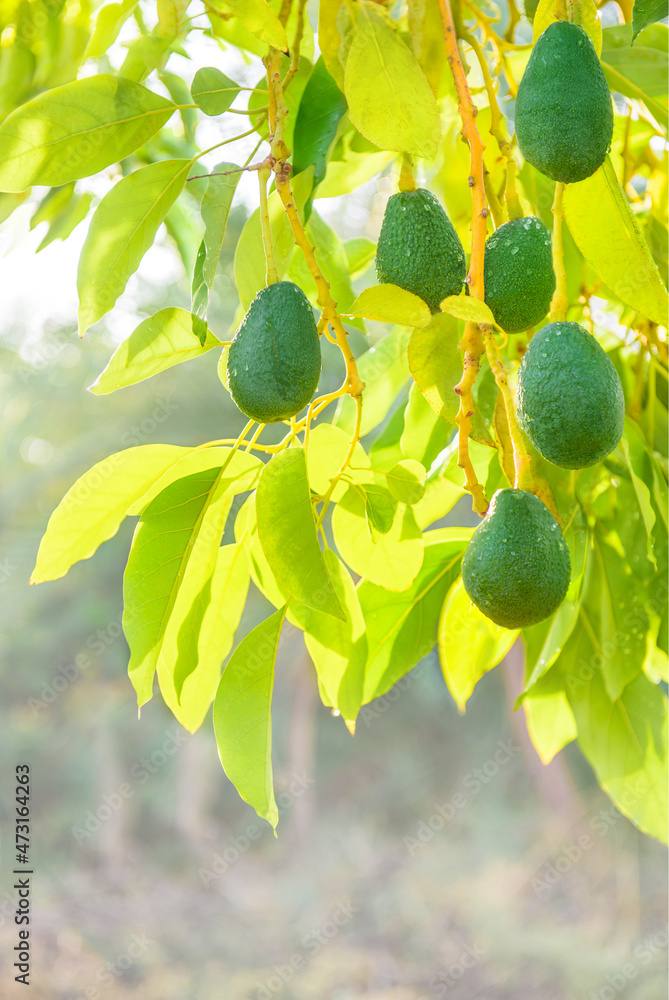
column 518, row 273
column 419, row 249
column 274, row 360
column 570, row 400
column 564, row 113
column 516, row 568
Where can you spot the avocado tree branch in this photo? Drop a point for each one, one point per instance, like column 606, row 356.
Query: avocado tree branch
column 560, row 300
column 472, row 341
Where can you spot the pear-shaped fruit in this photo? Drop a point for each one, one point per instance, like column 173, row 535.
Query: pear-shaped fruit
column 564, row 115
column 419, row 249
column 274, row 361
column 516, row 568
column 570, row 400
column 518, row 273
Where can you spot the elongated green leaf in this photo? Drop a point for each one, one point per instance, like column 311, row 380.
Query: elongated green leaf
column 77, row 130
column 173, row 552
column 436, row 365
column 391, row 304
column 360, row 253
column 241, row 472
column 606, row 233
column 287, row 532
column 550, row 720
column 258, row 18
column 213, row 91
column 243, row 720
column 389, row 98
column 380, row 542
column 67, row 220
column 216, row 204
column 170, row 16
column 624, row 740
column 122, row 229
column 384, row 370
column 108, row 23
column 321, row 109
column 425, row 434
column 647, row 12
column 93, row 508
column 336, row 23
column 639, row 72
column 188, row 682
column 469, row 643
column 402, row 627
column 162, row 340
column 337, row 648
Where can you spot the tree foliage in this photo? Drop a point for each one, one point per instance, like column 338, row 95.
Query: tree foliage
column 335, row 521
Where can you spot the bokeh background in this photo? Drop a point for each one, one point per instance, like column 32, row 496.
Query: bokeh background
column 432, row 855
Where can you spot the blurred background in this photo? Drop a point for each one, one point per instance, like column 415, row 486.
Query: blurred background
column 432, row 855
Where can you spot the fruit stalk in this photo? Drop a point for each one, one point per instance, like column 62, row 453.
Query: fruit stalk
column 472, row 340
column 560, row 301
column 523, row 479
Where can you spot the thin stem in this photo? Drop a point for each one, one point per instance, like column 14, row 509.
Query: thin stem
column 407, row 181
column 560, row 301
column 250, row 445
column 272, row 275
column 295, row 54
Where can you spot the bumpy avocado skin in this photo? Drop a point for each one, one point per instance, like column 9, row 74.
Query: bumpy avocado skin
column 274, row 361
column 564, row 115
column 518, row 273
column 419, row 249
column 570, row 400
column 516, row 568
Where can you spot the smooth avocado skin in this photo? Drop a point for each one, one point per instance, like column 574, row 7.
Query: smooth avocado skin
column 274, row 361
column 570, row 400
column 564, row 114
column 518, row 273
column 419, row 249
column 516, row 568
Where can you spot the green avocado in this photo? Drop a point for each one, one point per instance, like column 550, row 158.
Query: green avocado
column 570, row 400
column 274, row 361
column 518, row 273
column 564, row 115
column 516, row 568
column 419, row 249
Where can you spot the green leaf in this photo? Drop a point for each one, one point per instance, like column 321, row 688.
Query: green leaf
column 215, row 209
column 647, row 12
column 425, row 434
column 550, row 720
column 321, row 109
column 639, row 72
column 162, row 340
column 360, row 253
column 108, row 23
column 328, row 448
column 170, row 16
column 190, row 667
column 287, row 532
column 406, row 481
column 469, row 643
column 173, row 555
column 146, row 53
column 390, row 100
column 383, row 369
column 637, row 460
column 625, row 741
column 213, row 91
column 468, row 309
column 123, row 228
column 546, row 14
column 436, row 365
column 402, row 628
column 381, row 543
column 93, row 508
column 338, row 648
column 607, row 234
column 241, row 472
column 243, row 720
column 391, row 304
column 336, row 23
column 77, row 130
column 67, row 220
column 258, row 18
